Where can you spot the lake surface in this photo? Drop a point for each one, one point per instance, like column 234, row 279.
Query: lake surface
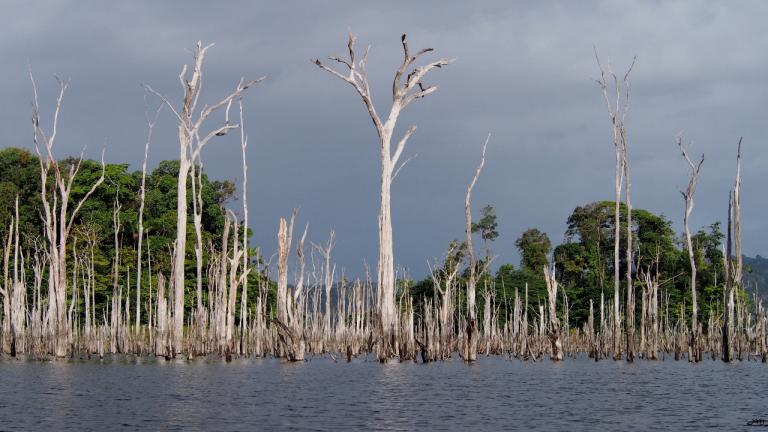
column 493, row 394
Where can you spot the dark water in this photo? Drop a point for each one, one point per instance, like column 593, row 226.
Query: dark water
column 494, row 394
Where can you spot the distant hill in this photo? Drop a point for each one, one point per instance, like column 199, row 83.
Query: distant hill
column 756, row 274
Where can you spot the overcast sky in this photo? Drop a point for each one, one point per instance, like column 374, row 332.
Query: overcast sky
column 524, row 72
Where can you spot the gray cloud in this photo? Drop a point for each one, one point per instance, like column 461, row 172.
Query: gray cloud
column 523, row 73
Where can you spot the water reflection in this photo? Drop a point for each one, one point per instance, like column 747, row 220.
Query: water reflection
column 266, row 394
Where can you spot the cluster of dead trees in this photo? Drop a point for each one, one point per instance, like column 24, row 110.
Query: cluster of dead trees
column 48, row 291
column 616, row 94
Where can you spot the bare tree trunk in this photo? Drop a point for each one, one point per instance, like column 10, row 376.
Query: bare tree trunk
column 18, row 293
column 57, row 227
column 738, row 270
column 733, row 274
column 630, row 305
column 5, row 290
column 142, row 192
column 688, row 198
column 246, row 257
column 617, row 112
column 403, row 94
column 296, row 301
column 196, row 177
column 191, row 143
column 555, row 337
column 284, row 235
column 233, row 282
column 616, row 279
column 116, row 289
column 470, row 349
column 327, row 283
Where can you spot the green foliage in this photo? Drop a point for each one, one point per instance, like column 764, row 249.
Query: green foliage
column 534, row 246
column 20, row 175
column 487, row 226
column 584, row 264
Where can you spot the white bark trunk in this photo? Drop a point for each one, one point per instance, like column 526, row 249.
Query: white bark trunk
column 470, row 350
column 403, row 93
column 191, row 144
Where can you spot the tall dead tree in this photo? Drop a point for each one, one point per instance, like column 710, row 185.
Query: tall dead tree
column 739, row 268
column 733, row 273
column 688, row 193
column 57, row 218
column 192, row 140
column 246, row 256
column 630, row 306
column 470, row 347
column 403, row 93
column 618, row 106
column 727, row 354
column 142, row 192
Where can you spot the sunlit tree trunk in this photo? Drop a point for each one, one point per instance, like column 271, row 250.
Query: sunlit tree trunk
column 192, row 140
column 555, row 336
column 470, row 348
column 733, row 274
column 284, row 236
column 246, row 264
column 57, row 219
column 403, row 93
column 630, row 304
column 142, row 194
column 688, row 200
column 618, row 106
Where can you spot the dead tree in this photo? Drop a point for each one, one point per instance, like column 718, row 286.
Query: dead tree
column 444, row 280
column 733, row 273
column 630, row 306
column 115, row 318
column 14, row 290
column 196, row 177
column 284, row 236
column 192, row 140
column 329, row 270
column 235, row 278
column 403, row 93
column 688, row 193
column 57, row 218
column 5, row 289
column 295, row 306
column 246, row 257
column 618, row 106
column 142, row 192
column 470, row 347
column 555, row 337
column 739, row 268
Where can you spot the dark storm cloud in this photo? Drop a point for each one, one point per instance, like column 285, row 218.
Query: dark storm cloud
column 523, row 73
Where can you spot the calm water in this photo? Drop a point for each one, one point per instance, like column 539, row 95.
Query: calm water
column 493, row 394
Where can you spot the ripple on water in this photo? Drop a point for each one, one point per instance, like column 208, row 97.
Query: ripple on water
column 494, row 394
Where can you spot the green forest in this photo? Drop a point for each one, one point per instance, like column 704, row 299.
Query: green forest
column 94, row 224
column 583, row 262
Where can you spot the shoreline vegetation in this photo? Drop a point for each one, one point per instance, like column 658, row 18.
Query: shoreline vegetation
column 98, row 261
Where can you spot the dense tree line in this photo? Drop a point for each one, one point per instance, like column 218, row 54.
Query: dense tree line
column 20, row 177
column 584, row 261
